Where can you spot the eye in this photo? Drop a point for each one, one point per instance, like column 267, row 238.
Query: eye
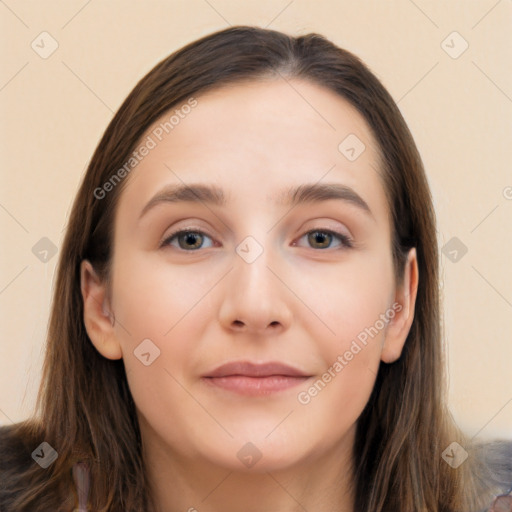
column 323, row 237
column 188, row 239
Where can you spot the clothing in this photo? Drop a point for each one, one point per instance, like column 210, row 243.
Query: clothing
column 15, row 457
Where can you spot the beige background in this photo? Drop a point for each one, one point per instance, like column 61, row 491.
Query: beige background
column 55, row 109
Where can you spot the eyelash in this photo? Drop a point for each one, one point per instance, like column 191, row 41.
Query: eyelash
column 346, row 242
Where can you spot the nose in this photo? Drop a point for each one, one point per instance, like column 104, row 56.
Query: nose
column 256, row 299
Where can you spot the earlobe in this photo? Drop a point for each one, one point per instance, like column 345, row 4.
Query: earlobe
column 98, row 318
column 400, row 325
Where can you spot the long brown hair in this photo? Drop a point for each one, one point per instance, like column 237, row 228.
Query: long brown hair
column 85, row 409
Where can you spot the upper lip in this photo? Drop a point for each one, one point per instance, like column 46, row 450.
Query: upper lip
column 248, row 369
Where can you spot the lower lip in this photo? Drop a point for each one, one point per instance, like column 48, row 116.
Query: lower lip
column 255, row 385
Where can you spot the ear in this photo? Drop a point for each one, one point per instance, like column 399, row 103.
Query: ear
column 405, row 300
column 97, row 316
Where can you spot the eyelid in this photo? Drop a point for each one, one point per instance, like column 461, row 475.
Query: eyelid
column 347, row 242
column 180, row 230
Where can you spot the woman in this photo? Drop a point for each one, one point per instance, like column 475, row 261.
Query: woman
column 246, row 312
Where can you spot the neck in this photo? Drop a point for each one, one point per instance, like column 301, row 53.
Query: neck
column 318, row 482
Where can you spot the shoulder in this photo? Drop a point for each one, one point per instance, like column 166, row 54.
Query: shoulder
column 25, row 483
column 13, row 450
column 15, row 460
column 495, row 458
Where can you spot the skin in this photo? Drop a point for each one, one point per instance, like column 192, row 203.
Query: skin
column 302, row 301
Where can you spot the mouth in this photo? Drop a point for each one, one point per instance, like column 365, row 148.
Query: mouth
column 247, row 378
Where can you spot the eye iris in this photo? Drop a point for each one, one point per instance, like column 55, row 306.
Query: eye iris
column 189, row 237
column 315, row 235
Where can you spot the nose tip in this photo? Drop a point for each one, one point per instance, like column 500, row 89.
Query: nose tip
column 254, row 299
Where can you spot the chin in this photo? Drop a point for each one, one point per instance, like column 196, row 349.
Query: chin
column 257, row 456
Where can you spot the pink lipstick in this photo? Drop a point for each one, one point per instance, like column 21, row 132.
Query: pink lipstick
column 248, row 378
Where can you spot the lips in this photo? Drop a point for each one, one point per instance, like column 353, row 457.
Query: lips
column 249, row 369
column 246, row 378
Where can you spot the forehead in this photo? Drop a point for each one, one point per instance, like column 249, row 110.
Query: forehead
column 255, row 139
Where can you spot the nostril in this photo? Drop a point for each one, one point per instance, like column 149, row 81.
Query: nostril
column 238, row 322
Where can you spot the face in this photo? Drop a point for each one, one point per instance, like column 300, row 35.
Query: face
column 299, row 296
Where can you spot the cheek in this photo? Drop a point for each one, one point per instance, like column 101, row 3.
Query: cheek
column 155, row 302
column 355, row 305
column 334, row 401
column 152, row 297
column 345, row 299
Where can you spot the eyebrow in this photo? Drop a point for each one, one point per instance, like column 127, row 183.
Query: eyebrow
column 211, row 194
